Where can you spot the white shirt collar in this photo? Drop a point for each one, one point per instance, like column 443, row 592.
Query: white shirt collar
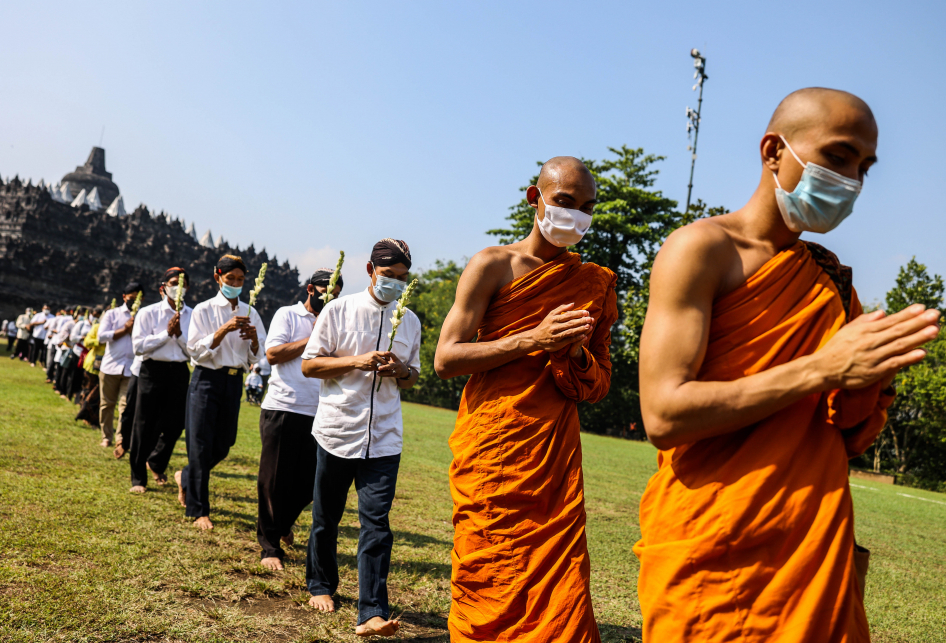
column 302, row 311
column 374, row 302
column 220, row 300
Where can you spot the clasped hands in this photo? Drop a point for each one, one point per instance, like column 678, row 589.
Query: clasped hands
column 385, row 363
column 563, row 327
column 875, row 346
column 174, row 326
column 242, row 324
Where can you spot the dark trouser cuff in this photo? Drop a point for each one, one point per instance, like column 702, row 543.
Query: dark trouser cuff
column 370, row 614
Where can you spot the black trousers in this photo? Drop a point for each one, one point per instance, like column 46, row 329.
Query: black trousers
column 11, row 340
column 22, row 348
column 160, row 410
column 375, row 480
column 127, row 420
column 36, row 348
column 213, row 410
column 286, row 475
column 74, row 380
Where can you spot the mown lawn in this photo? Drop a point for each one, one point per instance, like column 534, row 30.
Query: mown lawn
column 81, row 559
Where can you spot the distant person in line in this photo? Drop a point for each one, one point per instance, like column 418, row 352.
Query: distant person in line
column 38, row 332
column 159, row 339
column 541, row 320
column 288, row 456
column 22, row 347
column 265, row 371
column 77, row 336
column 254, row 387
column 359, row 431
column 49, row 356
column 9, row 328
column 760, row 377
column 115, row 373
column 59, row 346
column 223, row 341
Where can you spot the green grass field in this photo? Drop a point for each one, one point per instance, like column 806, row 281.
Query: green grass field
column 81, row 559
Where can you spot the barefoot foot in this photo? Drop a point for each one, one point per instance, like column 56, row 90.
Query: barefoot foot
column 159, row 478
column 137, row 489
column 203, row 523
column 323, row 603
column 119, row 452
column 288, row 539
column 377, row 626
column 181, row 498
column 272, row 563
column 105, row 442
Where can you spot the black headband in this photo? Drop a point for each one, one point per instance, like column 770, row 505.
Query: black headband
column 228, row 263
column 322, row 276
column 388, row 252
column 174, row 272
column 133, row 286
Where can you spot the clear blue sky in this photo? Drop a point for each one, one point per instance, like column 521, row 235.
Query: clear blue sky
column 312, row 127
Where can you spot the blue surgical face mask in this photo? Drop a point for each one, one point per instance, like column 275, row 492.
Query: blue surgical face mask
column 388, row 289
column 230, row 292
column 821, row 200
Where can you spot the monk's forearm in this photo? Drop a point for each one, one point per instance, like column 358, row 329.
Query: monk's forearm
column 695, row 410
column 455, row 359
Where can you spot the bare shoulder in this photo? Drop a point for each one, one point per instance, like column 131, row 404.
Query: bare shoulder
column 488, row 270
column 703, row 252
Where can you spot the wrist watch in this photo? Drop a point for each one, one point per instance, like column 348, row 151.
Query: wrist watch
column 410, row 371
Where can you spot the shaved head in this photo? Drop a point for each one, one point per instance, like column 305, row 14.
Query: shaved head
column 563, row 170
column 807, row 108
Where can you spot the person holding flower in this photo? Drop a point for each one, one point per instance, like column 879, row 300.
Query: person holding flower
column 358, row 429
column 288, row 455
column 224, row 341
column 115, row 373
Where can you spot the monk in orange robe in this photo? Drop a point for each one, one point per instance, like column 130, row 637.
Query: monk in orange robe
column 760, row 378
column 542, row 323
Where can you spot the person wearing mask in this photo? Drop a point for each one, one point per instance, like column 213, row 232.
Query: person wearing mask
column 38, row 338
column 21, row 349
column 532, row 324
column 115, row 373
column 52, row 327
column 159, row 338
column 359, row 430
column 288, row 456
column 760, row 378
column 223, row 341
column 59, row 345
column 75, row 376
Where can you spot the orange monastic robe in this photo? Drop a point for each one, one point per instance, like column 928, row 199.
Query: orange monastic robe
column 749, row 536
column 520, row 559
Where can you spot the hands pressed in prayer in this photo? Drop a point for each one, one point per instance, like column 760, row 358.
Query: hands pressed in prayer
column 875, row 346
column 174, row 325
column 124, row 330
column 561, row 327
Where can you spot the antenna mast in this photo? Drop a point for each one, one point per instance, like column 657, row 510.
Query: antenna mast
column 693, row 117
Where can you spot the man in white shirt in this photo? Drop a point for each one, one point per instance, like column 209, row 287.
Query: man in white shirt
column 115, row 373
column 49, row 356
column 159, row 338
column 359, row 431
column 22, row 348
column 38, row 330
column 223, row 340
column 59, row 346
column 74, row 376
column 287, row 460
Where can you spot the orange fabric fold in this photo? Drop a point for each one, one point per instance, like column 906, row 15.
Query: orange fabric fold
column 749, row 536
column 520, row 559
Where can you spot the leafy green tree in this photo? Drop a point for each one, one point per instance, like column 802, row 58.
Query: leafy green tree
column 631, row 221
column 436, row 290
column 914, row 440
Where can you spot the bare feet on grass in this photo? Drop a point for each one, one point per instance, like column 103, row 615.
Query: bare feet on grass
column 272, row 563
column 137, row 489
column 181, row 498
column 203, row 523
column 119, row 452
column 160, row 479
column 105, row 442
column 377, row 626
column 323, row 603
column 288, row 539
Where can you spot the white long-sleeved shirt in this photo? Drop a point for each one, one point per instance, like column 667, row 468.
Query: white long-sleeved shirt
column 150, row 338
column 119, row 353
column 39, row 331
column 63, row 328
column 289, row 389
column 79, row 331
column 52, row 323
column 353, row 419
column 233, row 351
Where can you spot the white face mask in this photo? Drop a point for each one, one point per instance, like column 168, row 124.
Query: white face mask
column 562, row 227
column 171, row 291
